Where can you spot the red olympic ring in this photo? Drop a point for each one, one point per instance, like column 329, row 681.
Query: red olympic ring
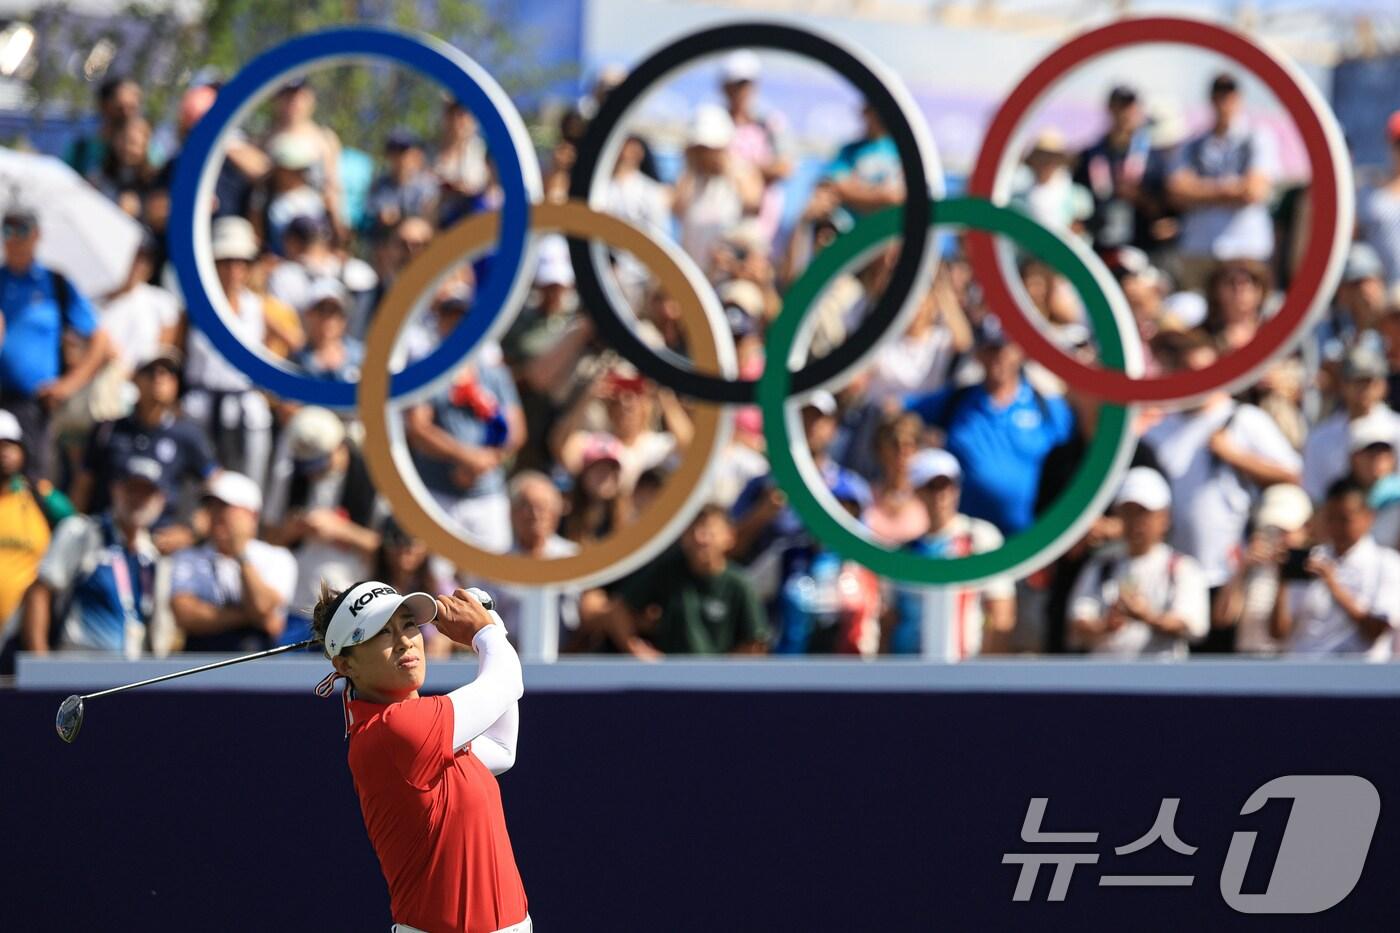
column 1317, row 272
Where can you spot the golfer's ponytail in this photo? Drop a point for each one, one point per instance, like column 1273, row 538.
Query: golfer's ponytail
column 324, row 609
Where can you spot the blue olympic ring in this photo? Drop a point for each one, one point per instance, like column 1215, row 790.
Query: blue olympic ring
column 507, row 140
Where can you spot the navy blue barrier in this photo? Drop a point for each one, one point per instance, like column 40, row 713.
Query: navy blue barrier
column 656, row 811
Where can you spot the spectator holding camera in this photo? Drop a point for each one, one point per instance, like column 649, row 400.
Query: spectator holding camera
column 1350, row 605
column 1140, row 597
column 1279, row 537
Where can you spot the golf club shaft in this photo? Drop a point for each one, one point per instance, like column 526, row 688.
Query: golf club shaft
column 207, row 667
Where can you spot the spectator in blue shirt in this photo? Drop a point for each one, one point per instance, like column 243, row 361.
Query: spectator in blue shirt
column 155, row 429
column 1000, row 430
column 103, row 570
column 37, row 306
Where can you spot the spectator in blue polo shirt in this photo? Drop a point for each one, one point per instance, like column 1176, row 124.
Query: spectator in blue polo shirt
column 98, row 579
column 155, row 429
column 36, row 307
column 1000, row 430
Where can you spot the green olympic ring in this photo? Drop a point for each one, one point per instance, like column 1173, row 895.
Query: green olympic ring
column 1056, row 530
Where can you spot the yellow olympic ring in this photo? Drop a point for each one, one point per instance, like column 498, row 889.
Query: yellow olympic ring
column 386, row 453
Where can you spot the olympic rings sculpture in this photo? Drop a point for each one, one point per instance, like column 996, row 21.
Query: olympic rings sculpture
column 709, row 377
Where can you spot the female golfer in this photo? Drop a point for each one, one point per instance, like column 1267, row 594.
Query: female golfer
column 423, row 766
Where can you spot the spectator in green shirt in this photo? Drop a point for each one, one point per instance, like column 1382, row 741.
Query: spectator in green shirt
column 693, row 600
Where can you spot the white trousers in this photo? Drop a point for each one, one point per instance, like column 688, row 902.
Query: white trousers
column 524, row 926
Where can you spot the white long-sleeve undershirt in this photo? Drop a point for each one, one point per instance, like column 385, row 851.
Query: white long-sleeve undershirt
column 486, row 712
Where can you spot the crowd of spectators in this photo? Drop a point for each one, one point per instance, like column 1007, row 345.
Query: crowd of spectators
column 153, row 499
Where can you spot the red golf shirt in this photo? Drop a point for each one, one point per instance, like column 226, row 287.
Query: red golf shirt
column 435, row 819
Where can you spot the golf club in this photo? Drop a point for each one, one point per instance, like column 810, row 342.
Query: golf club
column 70, row 711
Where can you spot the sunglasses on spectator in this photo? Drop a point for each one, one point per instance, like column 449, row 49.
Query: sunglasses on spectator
column 16, row 228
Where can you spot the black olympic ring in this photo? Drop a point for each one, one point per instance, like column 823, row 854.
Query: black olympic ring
column 914, row 267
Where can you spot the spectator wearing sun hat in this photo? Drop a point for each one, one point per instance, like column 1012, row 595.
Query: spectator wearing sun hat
column 232, row 593
column 950, row 624
column 1140, row 597
column 1047, row 191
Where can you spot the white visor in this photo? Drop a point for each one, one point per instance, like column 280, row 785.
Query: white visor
column 364, row 609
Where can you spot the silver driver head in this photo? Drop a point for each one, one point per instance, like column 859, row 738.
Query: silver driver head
column 69, row 719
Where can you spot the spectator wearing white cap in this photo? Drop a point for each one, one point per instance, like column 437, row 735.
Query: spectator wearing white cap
column 1140, row 597
column 770, row 539
column 291, row 193
column 1373, row 461
column 715, row 190
column 218, row 397
column 1356, row 308
column 330, row 353
column 1348, row 602
column 1279, row 529
column 982, row 618
column 103, row 581
column 27, row 513
column 759, row 137
column 233, row 592
column 1363, row 391
column 322, row 505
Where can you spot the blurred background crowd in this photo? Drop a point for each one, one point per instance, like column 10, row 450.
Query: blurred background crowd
column 152, row 499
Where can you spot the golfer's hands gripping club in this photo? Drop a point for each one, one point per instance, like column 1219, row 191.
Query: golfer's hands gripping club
column 464, row 613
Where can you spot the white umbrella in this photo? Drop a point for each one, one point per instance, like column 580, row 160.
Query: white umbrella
column 81, row 233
